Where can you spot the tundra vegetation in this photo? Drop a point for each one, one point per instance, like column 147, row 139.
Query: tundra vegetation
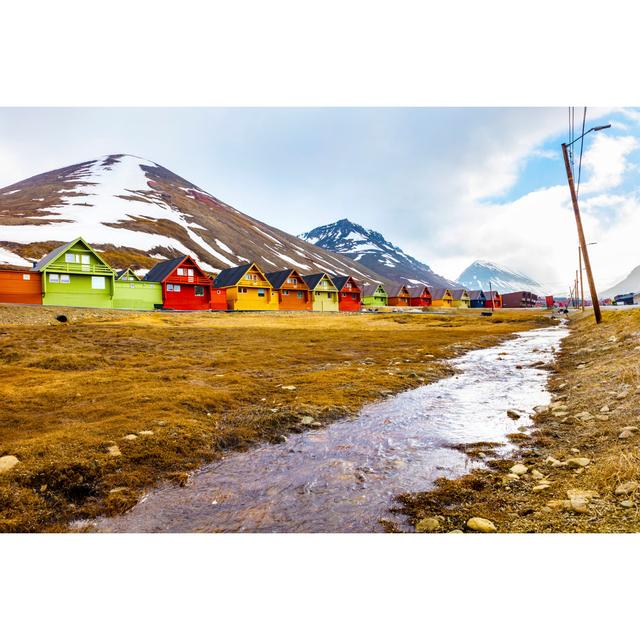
column 579, row 468
column 99, row 408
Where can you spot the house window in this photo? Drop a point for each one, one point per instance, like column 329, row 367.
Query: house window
column 199, row 290
column 285, row 292
column 180, row 272
column 86, row 261
column 317, row 293
column 218, row 292
column 69, row 257
column 190, row 272
column 97, row 282
column 65, row 278
column 260, row 293
column 354, row 296
column 329, row 295
column 300, row 294
column 132, row 286
column 242, row 290
column 176, row 288
column 26, row 276
column 169, row 287
column 54, row 277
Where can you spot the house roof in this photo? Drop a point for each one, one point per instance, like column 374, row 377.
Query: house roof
column 476, row 294
column 418, row 291
column 340, row 281
column 52, row 255
column 122, row 272
column 279, row 278
column 458, row 294
column 395, row 291
column 370, row 289
column 230, row 277
column 162, row 270
column 439, row 294
column 313, row 279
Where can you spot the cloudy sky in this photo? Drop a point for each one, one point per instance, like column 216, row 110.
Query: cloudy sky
column 448, row 185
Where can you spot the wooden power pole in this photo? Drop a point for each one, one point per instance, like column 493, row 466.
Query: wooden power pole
column 581, row 286
column 583, row 243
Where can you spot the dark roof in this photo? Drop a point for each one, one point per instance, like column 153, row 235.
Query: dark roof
column 278, row 278
column 313, row 279
column 162, row 270
column 340, row 281
column 395, row 290
column 230, row 277
column 476, row 294
column 43, row 262
column 370, row 289
column 418, row 291
column 438, row 294
column 457, row 293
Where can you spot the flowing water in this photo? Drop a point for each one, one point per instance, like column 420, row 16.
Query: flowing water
column 344, row 478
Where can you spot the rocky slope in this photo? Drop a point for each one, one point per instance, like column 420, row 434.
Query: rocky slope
column 137, row 213
column 371, row 250
column 480, row 273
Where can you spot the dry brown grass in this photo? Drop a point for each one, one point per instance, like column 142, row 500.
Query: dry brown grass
column 595, row 366
column 201, row 382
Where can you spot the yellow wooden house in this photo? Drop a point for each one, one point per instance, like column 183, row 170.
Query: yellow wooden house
column 323, row 292
column 247, row 288
column 460, row 298
column 441, row 297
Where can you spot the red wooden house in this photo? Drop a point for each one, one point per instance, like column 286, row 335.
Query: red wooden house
column 419, row 296
column 20, row 285
column 497, row 300
column 399, row 296
column 349, row 293
column 185, row 286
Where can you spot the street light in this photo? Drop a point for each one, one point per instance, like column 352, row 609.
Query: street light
column 576, row 211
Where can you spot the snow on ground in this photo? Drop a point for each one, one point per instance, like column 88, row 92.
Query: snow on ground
column 8, row 257
column 269, row 261
column 8, row 193
column 286, row 258
column 264, row 233
column 222, row 245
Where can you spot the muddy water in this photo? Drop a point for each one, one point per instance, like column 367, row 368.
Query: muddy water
column 344, row 478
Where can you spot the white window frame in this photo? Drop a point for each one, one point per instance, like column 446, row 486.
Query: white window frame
column 65, row 278
column 26, row 276
column 95, row 280
column 70, row 257
column 54, row 278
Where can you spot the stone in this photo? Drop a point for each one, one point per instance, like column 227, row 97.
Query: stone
column 537, row 475
column 622, row 395
column 575, row 463
column 574, row 450
column 118, row 489
column 627, row 504
column 481, row 525
column 626, row 487
column 130, row 436
column 583, row 416
column 541, row 408
column 612, row 339
column 581, row 366
column 519, row 469
column 306, row 420
column 602, row 418
column 316, row 424
column 550, row 460
column 513, row 476
column 7, row 463
column 513, row 414
column 579, row 505
column 145, row 432
column 288, row 387
column 605, row 409
column 456, row 531
column 114, row 450
column 428, row 525
column 581, row 494
column 559, row 504
column 540, row 487
column 625, row 434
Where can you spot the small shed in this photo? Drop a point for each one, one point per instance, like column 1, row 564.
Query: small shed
column 324, row 292
column 349, row 293
column 374, row 295
column 291, row 289
column 477, row 299
column 441, row 297
column 460, row 298
column 399, row 296
column 246, row 288
column 19, row 285
column 419, row 296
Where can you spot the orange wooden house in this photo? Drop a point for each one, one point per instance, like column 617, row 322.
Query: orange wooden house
column 349, row 293
column 20, row 285
column 420, row 296
column 291, row 290
column 399, row 296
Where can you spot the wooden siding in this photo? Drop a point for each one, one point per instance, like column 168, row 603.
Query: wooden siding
column 134, row 294
column 20, row 286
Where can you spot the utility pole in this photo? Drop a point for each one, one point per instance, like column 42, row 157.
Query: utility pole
column 581, row 238
column 580, row 269
column 576, row 285
column 493, row 304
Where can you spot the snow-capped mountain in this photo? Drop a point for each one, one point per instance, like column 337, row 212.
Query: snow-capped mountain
column 370, row 249
column 631, row 284
column 137, row 212
column 480, row 273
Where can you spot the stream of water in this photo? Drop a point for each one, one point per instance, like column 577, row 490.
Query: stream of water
column 344, row 478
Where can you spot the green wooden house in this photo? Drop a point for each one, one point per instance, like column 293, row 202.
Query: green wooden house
column 74, row 275
column 374, row 295
column 131, row 292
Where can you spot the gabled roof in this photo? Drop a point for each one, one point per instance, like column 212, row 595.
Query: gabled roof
column 277, row 279
column 395, row 291
column 232, row 276
column 458, row 294
column 439, row 294
column 162, row 270
column 371, row 289
column 418, row 291
column 340, row 281
column 476, row 294
column 313, row 280
column 128, row 270
column 52, row 255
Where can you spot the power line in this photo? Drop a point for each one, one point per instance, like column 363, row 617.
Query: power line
column 584, row 117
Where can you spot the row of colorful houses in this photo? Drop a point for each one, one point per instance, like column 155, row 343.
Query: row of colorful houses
column 74, row 274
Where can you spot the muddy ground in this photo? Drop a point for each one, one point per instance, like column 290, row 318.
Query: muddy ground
column 580, row 465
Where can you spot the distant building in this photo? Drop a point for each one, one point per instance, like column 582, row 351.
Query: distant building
column 519, row 300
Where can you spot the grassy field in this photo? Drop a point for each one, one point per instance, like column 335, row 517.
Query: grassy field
column 596, row 399
column 103, row 406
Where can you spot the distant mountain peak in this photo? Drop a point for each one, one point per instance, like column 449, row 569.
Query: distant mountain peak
column 483, row 274
column 371, row 249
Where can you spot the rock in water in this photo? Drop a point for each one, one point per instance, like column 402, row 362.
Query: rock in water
column 481, row 525
column 428, row 525
column 7, row 463
column 306, row 420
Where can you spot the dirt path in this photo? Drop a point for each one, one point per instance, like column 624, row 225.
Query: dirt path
column 580, row 469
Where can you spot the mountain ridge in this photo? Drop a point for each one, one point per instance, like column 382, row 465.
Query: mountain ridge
column 481, row 274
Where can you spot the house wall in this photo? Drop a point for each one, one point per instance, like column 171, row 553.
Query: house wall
column 137, row 295
column 20, row 286
column 514, row 300
column 375, row 301
column 399, row 301
column 292, row 299
column 325, row 300
column 77, row 289
column 218, row 299
column 441, row 302
column 477, row 304
column 186, row 299
column 346, row 301
column 460, row 304
column 420, row 302
column 248, row 298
